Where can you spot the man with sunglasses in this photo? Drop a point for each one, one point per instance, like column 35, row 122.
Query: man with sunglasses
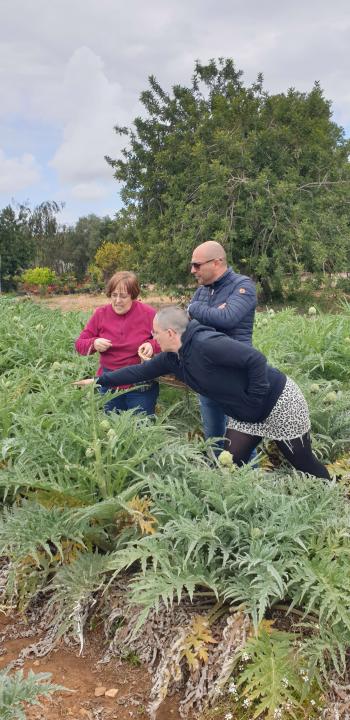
column 225, row 301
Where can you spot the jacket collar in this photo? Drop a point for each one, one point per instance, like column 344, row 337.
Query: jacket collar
column 221, row 281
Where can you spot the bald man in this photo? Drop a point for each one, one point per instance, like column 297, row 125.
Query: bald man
column 225, row 301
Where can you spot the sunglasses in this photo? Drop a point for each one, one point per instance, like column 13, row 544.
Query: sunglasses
column 197, row 265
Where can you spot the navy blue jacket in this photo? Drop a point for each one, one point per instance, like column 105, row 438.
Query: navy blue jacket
column 237, row 318
column 233, row 373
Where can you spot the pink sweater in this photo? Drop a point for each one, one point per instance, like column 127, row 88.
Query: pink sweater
column 126, row 332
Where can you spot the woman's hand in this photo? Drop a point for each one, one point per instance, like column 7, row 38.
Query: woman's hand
column 80, row 383
column 145, row 351
column 102, row 344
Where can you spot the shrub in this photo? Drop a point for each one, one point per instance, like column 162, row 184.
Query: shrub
column 39, row 276
column 111, row 257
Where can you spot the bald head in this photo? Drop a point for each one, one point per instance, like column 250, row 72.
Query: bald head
column 211, row 250
column 208, row 262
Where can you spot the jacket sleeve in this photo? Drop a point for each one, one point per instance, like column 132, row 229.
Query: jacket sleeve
column 224, row 351
column 148, row 370
column 84, row 344
column 241, row 301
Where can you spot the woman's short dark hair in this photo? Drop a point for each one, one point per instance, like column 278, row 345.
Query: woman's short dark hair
column 128, row 280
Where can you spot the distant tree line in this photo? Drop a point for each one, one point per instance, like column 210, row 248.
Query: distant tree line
column 266, row 175
column 35, row 238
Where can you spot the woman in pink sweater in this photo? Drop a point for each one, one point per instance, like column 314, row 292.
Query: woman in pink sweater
column 120, row 331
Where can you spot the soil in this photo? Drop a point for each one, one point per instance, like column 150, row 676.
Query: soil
column 91, row 302
column 81, row 675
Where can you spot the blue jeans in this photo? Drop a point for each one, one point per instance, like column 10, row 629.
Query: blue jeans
column 214, row 423
column 143, row 401
column 214, row 420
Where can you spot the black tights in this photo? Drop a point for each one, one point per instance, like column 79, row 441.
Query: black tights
column 298, row 451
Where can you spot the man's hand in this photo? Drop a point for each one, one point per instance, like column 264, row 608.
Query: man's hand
column 102, row 344
column 80, row 383
column 222, row 307
column 145, row 351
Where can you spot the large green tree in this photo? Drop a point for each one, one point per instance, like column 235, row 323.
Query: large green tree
column 265, row 175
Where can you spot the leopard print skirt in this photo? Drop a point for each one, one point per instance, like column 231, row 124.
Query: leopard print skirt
column 288, row 419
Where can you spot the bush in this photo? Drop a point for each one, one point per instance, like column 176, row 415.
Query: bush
column 39, row 276
column 111, row 257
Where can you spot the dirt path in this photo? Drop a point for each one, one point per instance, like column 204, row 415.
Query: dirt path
column 82, row 675
column 91, row 302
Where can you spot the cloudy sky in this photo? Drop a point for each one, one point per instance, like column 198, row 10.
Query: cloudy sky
column 72, row 69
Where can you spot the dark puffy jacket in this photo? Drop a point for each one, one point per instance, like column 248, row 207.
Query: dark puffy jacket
column 237, row 318
column 233, row 373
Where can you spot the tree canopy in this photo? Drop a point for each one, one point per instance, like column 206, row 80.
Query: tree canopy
column 265, row 175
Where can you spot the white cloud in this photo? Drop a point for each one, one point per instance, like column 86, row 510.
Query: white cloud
column 291, row 43
column 79, row 66
column 87, row 191
column 89, row 104
column 17, row 173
